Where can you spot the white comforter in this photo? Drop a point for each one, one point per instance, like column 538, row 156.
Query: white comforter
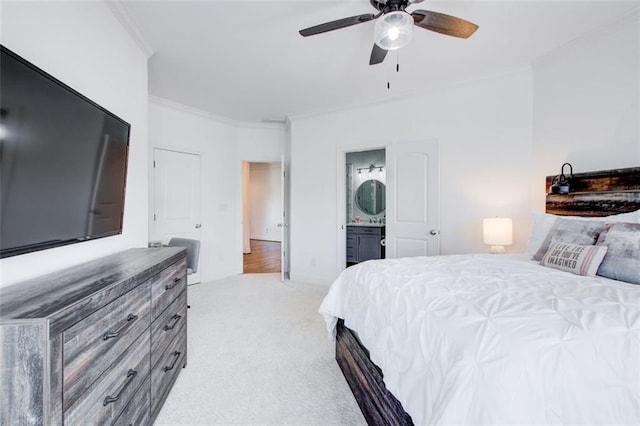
column 495, row 339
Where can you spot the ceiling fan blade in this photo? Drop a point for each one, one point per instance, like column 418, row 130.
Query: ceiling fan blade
column 336, row 25
column 444, row 24
column 377, row 55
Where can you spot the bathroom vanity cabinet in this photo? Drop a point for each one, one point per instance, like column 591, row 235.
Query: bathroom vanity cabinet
column 364, row 242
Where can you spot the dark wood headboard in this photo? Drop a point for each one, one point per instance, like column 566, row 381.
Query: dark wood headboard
column 600, row 193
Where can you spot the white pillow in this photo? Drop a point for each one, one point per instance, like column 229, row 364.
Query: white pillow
column 542, row 223
column 574, row 258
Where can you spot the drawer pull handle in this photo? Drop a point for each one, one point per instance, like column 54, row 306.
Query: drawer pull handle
column 176, row 356
column 111, row 334
column 173, row 284
column 131, row 374
column 175, row 318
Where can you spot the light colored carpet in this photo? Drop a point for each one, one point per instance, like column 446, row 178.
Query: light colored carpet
column 258, row 353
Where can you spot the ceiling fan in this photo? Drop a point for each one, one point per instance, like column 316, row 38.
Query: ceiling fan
column 394, row 28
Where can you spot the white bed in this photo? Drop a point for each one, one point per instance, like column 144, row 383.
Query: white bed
column 501, row 339
column 495, row 339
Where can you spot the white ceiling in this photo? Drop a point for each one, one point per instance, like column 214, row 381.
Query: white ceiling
column 244, row 60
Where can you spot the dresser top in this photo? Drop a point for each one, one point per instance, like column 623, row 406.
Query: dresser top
column 54, row 295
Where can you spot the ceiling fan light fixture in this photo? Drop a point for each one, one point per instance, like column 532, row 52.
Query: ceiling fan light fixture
column 393, row 30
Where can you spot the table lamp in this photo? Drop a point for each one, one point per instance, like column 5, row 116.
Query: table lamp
column 497, row 232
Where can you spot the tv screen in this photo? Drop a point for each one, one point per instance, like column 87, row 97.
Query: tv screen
column 63, row 162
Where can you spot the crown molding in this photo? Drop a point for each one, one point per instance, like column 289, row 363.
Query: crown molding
column 123, row 15
column 415, row 93
column 190, row 110
column 157, row 100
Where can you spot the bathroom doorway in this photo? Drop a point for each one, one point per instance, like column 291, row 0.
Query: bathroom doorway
column 408, row 224
column 262, row 216
column 365, row 205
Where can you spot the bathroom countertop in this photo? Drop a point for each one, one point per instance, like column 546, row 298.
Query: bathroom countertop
column 367, row 224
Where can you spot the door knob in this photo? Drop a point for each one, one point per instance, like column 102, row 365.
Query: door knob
column 433, row 232
column 198, row 226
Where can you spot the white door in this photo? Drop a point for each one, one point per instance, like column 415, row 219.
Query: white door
column 176, row 198
column 284, row 224
column 413, row 220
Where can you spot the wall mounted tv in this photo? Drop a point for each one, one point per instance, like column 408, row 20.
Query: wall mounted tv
column 63, row 162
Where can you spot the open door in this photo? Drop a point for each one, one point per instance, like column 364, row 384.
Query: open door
column 413, row 199
column 284, row 224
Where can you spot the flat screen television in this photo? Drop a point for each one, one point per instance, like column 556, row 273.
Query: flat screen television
column 63, row 162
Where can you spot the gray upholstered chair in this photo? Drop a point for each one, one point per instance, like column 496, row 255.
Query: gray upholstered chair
column 193, row 252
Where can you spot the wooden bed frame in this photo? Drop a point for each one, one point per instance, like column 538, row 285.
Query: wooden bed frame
column 378, row 405
column 599, row 193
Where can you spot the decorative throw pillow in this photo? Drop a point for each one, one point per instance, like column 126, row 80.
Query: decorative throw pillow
column 574, row 258
column 570, row 231
column 622, row 261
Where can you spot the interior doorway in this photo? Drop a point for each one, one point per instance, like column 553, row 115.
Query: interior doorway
column 262, row 217
column 411, row 212
column 365, row 204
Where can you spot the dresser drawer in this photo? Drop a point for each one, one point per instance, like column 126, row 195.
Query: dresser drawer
column 164, row 373
column 167, row 285
column 106, row 398
column 92, row 344
column 138, row 411
column 167, row 326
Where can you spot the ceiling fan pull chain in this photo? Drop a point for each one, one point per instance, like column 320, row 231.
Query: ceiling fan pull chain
column 398, row 60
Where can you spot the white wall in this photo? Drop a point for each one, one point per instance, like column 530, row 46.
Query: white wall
column 499, row 138
column 261, row 143
column 265, row 201
column 83, row 45
column 222, row 145
column 485, row 135
column 586, row 104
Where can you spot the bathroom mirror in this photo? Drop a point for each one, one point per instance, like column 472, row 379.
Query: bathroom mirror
column 370, row 197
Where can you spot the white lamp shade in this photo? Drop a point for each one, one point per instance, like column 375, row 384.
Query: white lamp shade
column 393, row 30
column 497, row 231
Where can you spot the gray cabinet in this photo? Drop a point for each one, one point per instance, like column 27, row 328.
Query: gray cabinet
column 99, row 343
column 364, row 243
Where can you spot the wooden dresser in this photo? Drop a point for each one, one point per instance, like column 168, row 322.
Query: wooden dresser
column 99, row 343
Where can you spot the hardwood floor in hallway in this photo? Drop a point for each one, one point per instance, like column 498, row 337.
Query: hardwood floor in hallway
column 264, row 257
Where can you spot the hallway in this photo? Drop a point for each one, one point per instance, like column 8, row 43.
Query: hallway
column 264, row 257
